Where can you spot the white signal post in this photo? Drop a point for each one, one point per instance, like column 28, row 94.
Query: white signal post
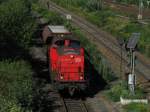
column 132, row 76
column 68, row 17
column 141, row 5
column 148, row 3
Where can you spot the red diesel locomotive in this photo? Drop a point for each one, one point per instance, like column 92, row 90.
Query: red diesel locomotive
column 66, row 60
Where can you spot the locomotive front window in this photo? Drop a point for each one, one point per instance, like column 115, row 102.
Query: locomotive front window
column 68, row 47
column 72, row 52
column 73, row 48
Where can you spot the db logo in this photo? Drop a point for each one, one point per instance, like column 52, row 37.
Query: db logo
column 78, row 60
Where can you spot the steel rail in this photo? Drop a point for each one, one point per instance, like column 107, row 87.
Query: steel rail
column 73, row 105
column 134, row 9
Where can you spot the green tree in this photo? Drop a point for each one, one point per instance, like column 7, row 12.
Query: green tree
column 16, row 21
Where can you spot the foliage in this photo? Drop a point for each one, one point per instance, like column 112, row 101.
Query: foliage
column 8, row 105
column 94, row 5
column 16, row 21
column 137, row 107
column 17, row 27
column 52, row 17
column 16, row 86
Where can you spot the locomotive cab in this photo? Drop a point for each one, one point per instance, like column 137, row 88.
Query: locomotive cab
column 71, row 61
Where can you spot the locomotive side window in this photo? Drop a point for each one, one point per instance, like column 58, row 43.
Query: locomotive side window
column 74, row 44
column 60, row 43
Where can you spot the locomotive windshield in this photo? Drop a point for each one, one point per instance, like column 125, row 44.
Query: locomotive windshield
column 68, row 47
column 72, row 43
column 71, row 51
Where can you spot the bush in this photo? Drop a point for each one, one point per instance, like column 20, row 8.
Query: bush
column 121, row 90
column 8, row 105
column 94, row 5
column 15, row 86
column 52, row 17
column 16, row 21
column 137, row 107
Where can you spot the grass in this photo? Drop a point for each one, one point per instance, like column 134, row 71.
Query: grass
column 137, row 107
column 15, row 86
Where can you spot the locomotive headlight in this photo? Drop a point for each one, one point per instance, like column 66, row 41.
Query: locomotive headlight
column 71, row 56
column 81, row 77
column 61, row 77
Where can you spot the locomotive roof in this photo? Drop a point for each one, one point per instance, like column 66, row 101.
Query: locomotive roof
column 58, row 29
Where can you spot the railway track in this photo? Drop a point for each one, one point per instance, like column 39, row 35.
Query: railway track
column 62, row 104
column 128, row 9
column 72, row 105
